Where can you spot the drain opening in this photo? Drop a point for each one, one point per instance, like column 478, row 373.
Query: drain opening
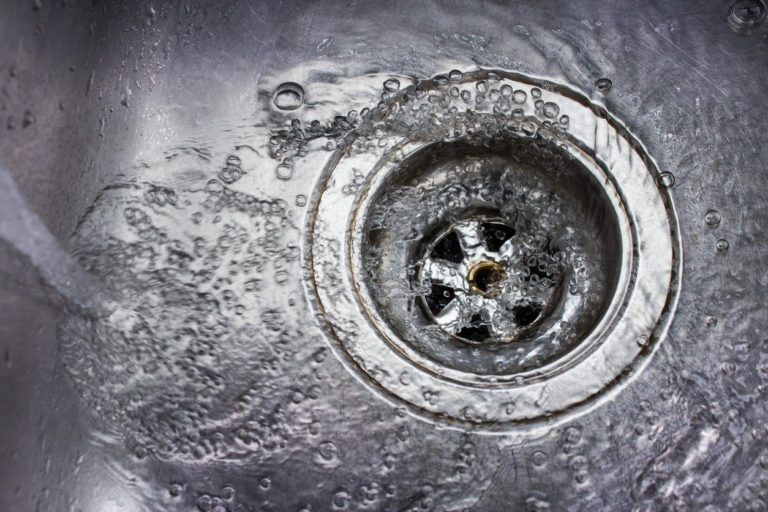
column 439, row 297
column 449, row 249
column 526, row 314
column 475, row 331
column 486, row 278
column 515, row 247
column 501, row 246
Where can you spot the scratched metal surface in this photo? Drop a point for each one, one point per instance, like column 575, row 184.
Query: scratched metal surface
column 98, row 94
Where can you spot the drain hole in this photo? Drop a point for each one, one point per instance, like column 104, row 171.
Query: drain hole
column 526, row 314
column 449, row 249
column 439, row 297
column 503, row 223
column 475, row 331
column 494, row 251
column 486, row 278
column 495, row 235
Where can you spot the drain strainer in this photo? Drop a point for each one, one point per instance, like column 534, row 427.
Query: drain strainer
column 492, row 250
column 484, row 285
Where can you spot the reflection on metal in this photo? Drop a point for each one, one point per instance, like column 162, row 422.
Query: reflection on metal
column 221, row 392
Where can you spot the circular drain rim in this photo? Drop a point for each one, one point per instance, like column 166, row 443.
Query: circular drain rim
column 652, row 261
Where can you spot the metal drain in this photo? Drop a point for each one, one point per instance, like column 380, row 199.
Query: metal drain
column 519, row 254
column 470, row 270
column 492, row 250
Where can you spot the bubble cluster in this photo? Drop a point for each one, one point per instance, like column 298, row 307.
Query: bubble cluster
column 441, row 112
column 287, row 144
column 186, row 358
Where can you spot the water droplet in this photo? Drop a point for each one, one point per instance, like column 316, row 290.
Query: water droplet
column 288, row 96
column 712, row 218
column 228, row 493
column 642, row 340
column 392, row 85
column 284, row 172
column 204, row 503
column 440, row 81
column 536, row 92
column 551, row 109
column 519, row 97
column 455, row 76
column 301, row 200
column 140, row 452
column 722, row 245
column 603, row 84
column 539, row 458
column 666, row 180
column 711, row 321
column 176, row 490
column 572, row 435
column 265, row 483
column 327, row 450
column 340, row 500
column 482, row 86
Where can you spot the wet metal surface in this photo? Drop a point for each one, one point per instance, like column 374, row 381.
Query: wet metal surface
column 167, row 343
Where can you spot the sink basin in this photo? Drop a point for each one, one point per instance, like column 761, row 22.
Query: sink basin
column 238, row 272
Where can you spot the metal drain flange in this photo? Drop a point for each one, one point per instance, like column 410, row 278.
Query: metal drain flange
column 492, row 251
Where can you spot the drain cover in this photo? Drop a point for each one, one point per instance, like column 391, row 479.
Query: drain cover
column 484, row 284
column 492, row 250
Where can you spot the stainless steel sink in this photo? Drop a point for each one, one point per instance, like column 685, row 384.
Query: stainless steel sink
column 247, row 255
